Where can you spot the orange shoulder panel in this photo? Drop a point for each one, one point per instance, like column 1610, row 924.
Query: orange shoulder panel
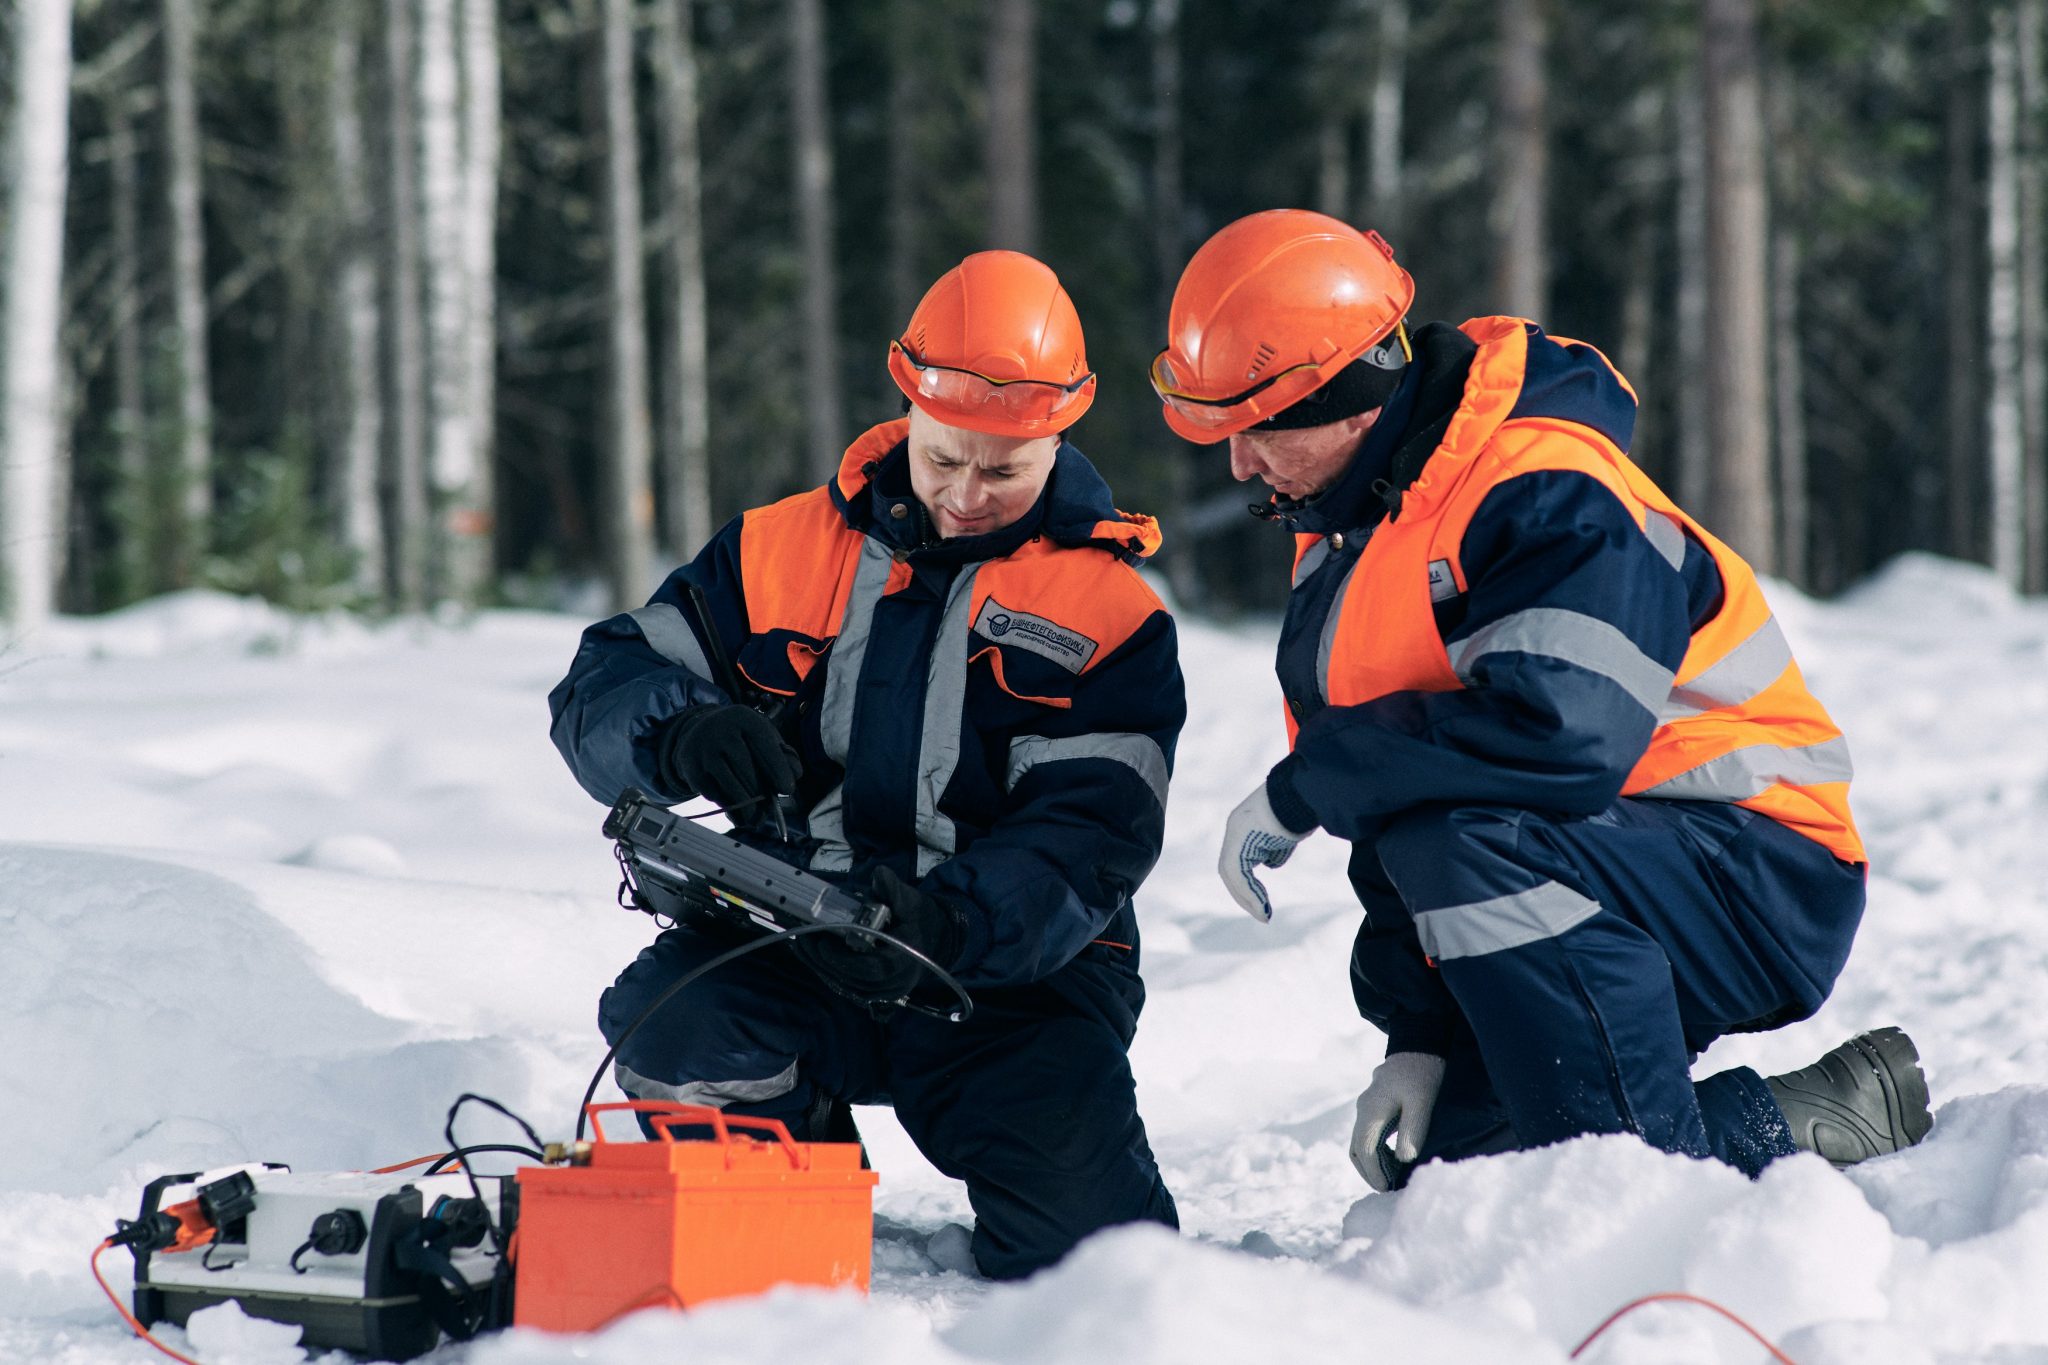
column 1523, row 447
column 797, row 559
column 1085, row 589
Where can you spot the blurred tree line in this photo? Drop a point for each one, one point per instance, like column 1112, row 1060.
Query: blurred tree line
column 391, row 302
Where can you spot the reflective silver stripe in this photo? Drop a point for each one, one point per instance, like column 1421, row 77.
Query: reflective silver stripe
column 672, row 638
column 1667, row 537
column 842, row 671
column 827, row 824
column 1752, row 771
column 1140, row 753
column 1328, row 644
column 717, row 1094
column 1502, row 923
column 1575, row 638
column 1744, row 672
column 1311, row 560
column 945, row 701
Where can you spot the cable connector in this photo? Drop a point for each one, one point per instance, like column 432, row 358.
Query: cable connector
column 181, row 1227
column 566, row 1154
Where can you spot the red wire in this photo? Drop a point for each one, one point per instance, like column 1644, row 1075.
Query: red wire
column 122, row 1308
column 1618, row 1314
column 408, row 1165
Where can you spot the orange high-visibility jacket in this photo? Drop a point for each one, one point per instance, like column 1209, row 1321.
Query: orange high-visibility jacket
column 1539, row 625
column 993, row 717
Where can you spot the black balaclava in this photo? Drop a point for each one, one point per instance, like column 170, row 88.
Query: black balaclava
column 1366, row 383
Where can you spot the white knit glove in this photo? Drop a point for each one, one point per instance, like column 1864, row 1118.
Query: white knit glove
column 1253, row 837
column 1401, row 1097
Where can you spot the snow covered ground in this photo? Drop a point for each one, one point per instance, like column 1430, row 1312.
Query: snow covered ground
column 280, row 888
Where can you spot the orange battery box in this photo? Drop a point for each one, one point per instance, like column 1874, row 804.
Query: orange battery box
column 679, row 1223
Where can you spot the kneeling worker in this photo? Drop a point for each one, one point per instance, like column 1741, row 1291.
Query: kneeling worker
column 980, row 701
column 1597, row 819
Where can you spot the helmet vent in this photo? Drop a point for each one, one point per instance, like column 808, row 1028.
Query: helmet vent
column 1260, row 359
column 917, row 339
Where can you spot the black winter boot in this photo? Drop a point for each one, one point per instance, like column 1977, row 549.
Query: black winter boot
column 1865, row 1098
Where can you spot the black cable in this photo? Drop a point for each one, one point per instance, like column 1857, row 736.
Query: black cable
column 783, row 936
column 441, row 1161
column 501, row 1273
column 461, row 1155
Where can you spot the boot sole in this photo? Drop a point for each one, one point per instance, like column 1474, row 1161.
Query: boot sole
column 1894, row 1060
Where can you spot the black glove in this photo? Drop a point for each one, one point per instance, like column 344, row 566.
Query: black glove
column 732, row 754
column 872, row 971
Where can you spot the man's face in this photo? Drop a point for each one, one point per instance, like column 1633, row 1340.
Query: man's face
column 973, row 483
column 1299, row 464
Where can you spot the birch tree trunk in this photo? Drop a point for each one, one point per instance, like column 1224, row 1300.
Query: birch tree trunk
column 474, row 511
column 1385, row 207
column 354, row 285
column 455, row 568
column 2031, row 19
column 1689, row 401
column 687, row 480
column 2002, row 301
column 30, row 443
column 1521, row 161
column 404, row 472
column 188, row 285
column 825, row 435
column 1962, row 239
column 628, row 518
column 1012, row 146
column 1738, row 418
column 134, row 509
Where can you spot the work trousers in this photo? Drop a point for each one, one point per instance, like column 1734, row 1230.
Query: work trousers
column 1030, row 1101
column 1581, row 965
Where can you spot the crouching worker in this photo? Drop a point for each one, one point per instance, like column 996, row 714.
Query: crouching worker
column 1597, row 819
column 980, row 700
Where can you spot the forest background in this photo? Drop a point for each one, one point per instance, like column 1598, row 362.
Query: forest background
column 387, row 304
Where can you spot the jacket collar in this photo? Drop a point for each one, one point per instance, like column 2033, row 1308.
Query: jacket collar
column 1073, row 510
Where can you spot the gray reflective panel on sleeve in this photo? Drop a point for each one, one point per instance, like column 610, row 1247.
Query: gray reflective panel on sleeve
column 1311, row 560
column 1744, row 672
column 672, row 638
column 1494, row 926
column 1574, row 638
column 827, row 824
column 717, row 1094
column 945, row 703
column 1139, row 753
column 1752, row 771
column 1328, row 643
column 850, row 649
column 1667, row 537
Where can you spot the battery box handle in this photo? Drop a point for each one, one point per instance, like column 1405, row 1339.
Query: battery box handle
column 665, row 1117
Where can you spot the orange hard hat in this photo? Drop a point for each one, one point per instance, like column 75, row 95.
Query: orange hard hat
column 995, row 345
column 1268, row 311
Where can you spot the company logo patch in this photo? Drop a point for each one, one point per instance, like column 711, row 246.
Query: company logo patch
column 1443, row 584
column 1069, row 649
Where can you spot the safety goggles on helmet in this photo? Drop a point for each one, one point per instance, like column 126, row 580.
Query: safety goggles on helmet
column 1275, row 393
column 1022, row 400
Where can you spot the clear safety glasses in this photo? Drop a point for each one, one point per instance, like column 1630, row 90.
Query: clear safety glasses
column 1268, row 396
column 1023, row 400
